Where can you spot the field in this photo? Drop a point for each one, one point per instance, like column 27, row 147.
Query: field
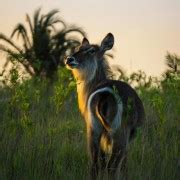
column 42, row 135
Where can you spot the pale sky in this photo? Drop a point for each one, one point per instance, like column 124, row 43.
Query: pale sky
column 144, row 30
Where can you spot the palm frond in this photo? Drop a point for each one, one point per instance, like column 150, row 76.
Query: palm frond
column 28, row 19
column 10, row 42
column 6, row 64
column 49, row 16
column 36, row 18
column 56, row 21
column 16, row 56
column 75, row 29
column 21, row 30
column 49, row 20
column 12, row 56
column 7, row 50
column 16, row 30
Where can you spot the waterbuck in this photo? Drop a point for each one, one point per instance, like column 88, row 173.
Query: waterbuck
column 112, row 110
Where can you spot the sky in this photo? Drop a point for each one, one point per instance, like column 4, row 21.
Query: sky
column 144, row 30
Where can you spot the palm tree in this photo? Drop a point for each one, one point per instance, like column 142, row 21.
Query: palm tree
column 44, row 46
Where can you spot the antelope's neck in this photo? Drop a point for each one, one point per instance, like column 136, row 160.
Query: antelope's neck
column 84, row 89
column 82, row 96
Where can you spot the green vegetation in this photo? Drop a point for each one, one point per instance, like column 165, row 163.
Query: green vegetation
column 42, row 135
column 154, row 153
column 40, row 138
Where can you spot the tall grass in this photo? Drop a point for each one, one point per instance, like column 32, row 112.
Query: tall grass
column 154, row 153
column 42, row 135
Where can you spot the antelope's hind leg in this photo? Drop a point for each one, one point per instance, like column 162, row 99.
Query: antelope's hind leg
column 117, row 166
column 102, row 159
column 119, row 155
column 93, row 143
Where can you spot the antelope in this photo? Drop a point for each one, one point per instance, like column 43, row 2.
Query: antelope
column 112, row 109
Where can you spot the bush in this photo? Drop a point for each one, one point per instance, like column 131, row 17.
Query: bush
column 42, row 135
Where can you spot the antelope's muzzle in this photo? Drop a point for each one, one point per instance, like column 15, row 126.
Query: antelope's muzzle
column 71, row 62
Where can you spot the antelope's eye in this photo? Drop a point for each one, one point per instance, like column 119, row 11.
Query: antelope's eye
column 91, row 51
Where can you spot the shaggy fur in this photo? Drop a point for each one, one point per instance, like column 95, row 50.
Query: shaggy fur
column 112, row 109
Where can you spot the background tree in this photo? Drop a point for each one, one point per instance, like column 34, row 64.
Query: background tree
column 173, row 64
column 44, row 45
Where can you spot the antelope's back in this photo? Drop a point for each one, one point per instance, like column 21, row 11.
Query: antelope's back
column 133, row 109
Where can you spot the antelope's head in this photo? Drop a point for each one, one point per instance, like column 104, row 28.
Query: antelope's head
column 88, row 59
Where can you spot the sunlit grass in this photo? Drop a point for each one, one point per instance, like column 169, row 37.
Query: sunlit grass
column 38, row 141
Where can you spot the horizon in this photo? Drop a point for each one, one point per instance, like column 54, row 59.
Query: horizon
column 144, row 31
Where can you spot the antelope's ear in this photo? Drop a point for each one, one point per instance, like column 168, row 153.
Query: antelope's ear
column 85, row 43
column 107, row 43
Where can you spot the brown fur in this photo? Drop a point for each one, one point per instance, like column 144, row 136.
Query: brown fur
column 112, row 110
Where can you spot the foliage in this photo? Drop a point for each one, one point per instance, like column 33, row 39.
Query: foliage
column 36, row 134
column 42, row 135
column 44, row 46
column 154, row 153
column 173, row 64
